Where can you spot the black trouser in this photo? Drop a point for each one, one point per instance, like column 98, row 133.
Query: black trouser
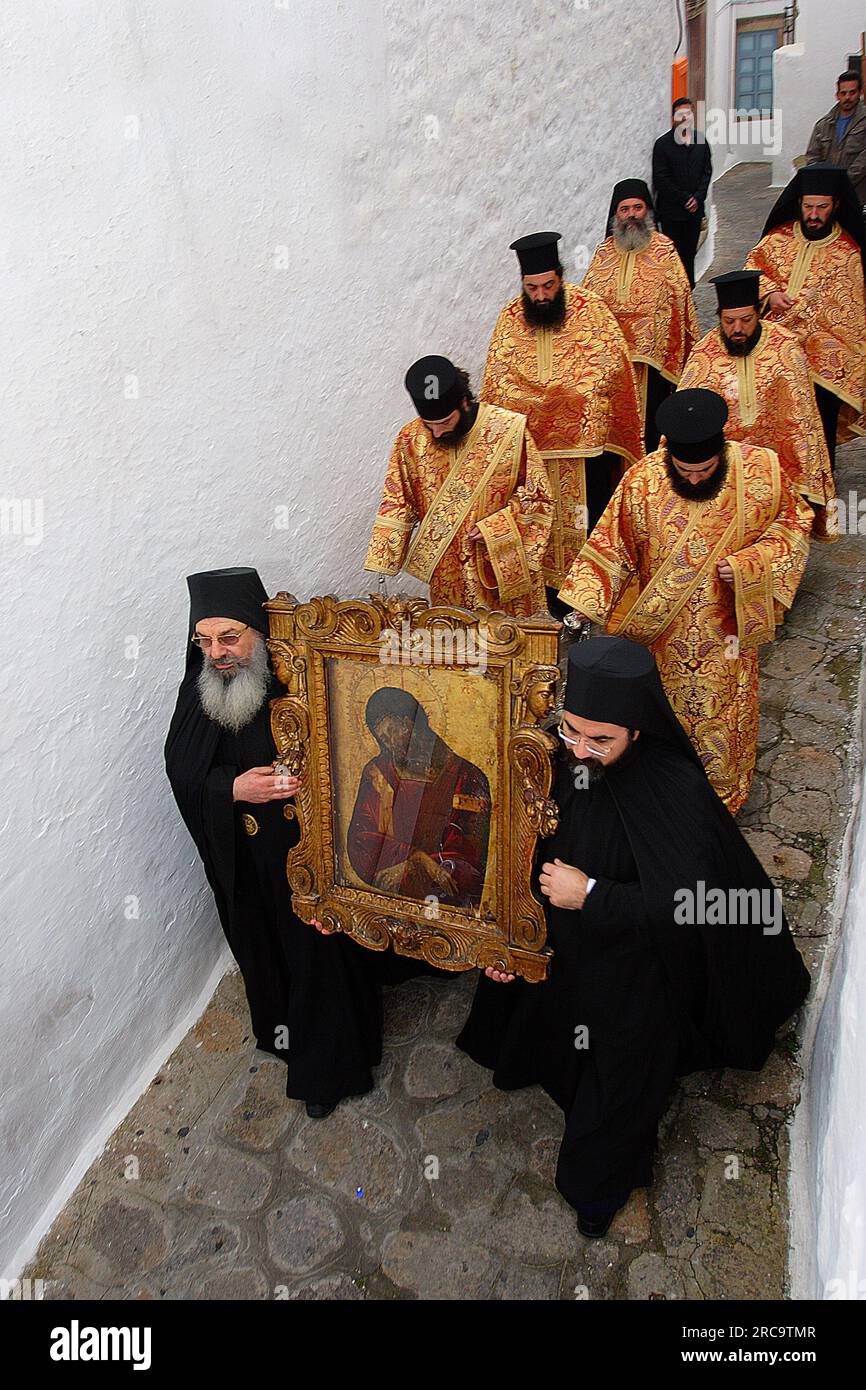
column 828, row 408
column 602, row 474
column 685, row 237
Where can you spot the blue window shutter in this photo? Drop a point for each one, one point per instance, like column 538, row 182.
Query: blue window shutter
column 754, row 69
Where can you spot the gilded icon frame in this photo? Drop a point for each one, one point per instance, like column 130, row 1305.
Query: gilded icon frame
column 465, row 666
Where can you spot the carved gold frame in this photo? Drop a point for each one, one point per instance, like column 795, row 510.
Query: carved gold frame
column 522, row 655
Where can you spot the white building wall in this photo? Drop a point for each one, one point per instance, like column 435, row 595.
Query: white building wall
column 828, row 1173
column 838, row 1096
column 828, row 1151
column 735, row 139
column 228, row 226
column 804, row 73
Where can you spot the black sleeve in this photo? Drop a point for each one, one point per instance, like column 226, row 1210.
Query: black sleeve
column 706, row 175
column 614, row 902
column 662, row 182
column 219, row 828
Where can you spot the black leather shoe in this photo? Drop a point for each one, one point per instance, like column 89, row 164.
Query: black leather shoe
column 320, row 1112
column 594, row 1220
column 595, row 1226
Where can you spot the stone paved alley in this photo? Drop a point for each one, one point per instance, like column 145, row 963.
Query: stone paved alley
column 238, row 1195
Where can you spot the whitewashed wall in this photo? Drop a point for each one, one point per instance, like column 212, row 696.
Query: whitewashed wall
column 828, row 1189
column 828, row 1140
column 804, row 73
column 227, row 228
column 828, row 1135
column 734, row 140
column 837, row 1093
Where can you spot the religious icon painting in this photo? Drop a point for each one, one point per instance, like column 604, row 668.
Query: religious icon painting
column 425, row 772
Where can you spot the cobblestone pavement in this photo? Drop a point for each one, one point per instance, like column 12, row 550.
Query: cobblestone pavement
column 217, row 1187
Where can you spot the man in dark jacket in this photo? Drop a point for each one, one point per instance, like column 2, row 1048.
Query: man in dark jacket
column 682, row 169
column 314, row 1003
column 840, row 137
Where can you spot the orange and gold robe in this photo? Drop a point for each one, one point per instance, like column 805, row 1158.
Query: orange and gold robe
column 649, row 295
column 770, row 402
column 825, row 278
column 494, row 479
column 576, row 387
column 703, row 632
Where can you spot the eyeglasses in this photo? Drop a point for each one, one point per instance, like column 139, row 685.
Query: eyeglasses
column 225, row 639
column 573, row 742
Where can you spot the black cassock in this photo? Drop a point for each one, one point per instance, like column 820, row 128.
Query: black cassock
column 658, row 388
column 323, row 990
column 656, row 998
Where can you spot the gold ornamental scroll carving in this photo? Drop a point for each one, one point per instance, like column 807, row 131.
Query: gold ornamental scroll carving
column 418, row 836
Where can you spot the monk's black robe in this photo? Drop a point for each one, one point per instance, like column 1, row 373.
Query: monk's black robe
column 323, row 990
column 658, row 388
column 654, row 997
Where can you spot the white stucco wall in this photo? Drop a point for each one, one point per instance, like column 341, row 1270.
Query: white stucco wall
column 828, row 1148
column 734, row 140
column 828, row 1135
column 838, row 1099
column 228, row 226
column 804, row 73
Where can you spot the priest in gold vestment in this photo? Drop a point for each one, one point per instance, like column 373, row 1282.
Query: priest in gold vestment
column 558, row 357
column 762, row 372
column 638, row 273
column 717, row 540
column 812, row 258
column 466, row 505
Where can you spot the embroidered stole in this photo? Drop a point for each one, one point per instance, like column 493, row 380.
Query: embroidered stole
column 678, row 577
column 458, row 494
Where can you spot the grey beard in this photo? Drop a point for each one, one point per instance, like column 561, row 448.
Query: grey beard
column 632, row 238
column 233, row 701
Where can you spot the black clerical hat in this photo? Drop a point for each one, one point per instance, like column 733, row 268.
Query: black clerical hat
column 236, row 593
column 537, row 253
column 629, row 188
column 693, row 423
column 435, row 387
column 612, row 680
column 739, row 289
column 820, row 181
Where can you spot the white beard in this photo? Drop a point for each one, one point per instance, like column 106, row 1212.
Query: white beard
column 233, row 701
column 632, row 238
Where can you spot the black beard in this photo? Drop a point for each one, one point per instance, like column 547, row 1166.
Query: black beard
column 745, row 347
column 549, row 315
column 591, row 769
column 468, row 416
column 697, row 492
column 817, row 233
